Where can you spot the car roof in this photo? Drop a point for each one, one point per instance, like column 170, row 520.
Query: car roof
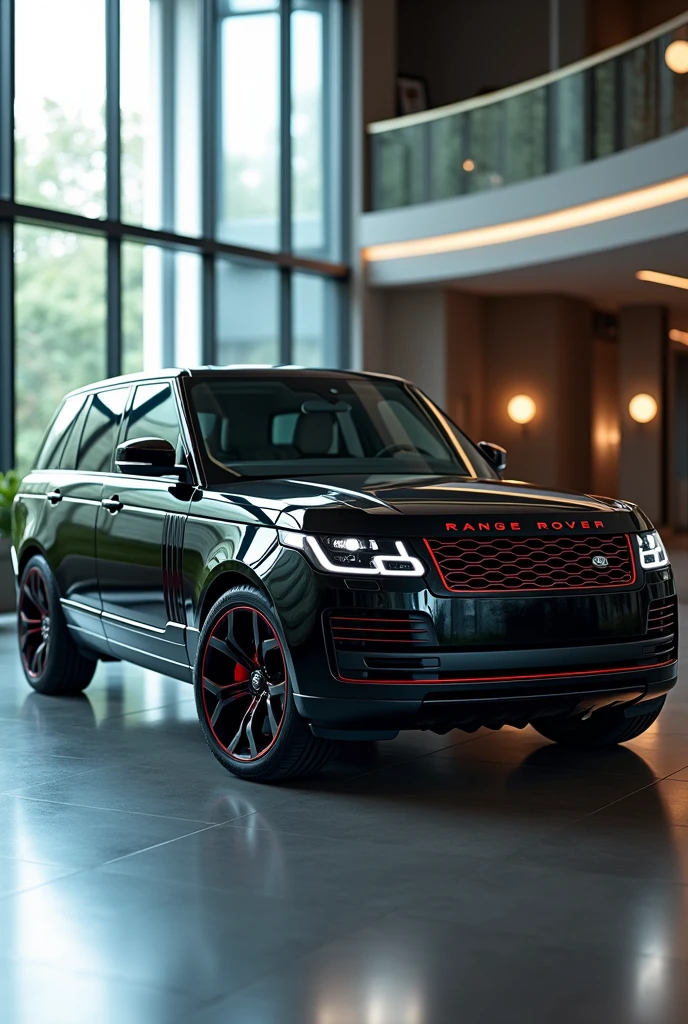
column 240, row 370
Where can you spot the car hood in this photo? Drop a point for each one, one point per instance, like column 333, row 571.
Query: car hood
column 415, row 505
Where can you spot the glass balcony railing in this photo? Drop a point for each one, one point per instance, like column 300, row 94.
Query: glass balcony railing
column 607, row 103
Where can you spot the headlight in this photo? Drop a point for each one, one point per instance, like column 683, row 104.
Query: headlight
column 358, row 555
column 652, row 552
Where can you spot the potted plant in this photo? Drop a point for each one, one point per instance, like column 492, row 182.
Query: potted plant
column 9, row 485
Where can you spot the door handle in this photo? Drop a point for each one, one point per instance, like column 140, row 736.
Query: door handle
column 53, row 497
column 112, row 504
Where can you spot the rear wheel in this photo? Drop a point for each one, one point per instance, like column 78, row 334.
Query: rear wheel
column 51, row 660
column 244, row 693
column 604, row 728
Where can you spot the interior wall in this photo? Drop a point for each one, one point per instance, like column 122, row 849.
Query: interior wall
column 642, row 367
column 614, row 21
column 606, row 430
column 463, row 47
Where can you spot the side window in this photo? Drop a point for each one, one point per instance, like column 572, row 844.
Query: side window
column 100, row 433
column 153, row 413
column 51, row 449
column 71, row 447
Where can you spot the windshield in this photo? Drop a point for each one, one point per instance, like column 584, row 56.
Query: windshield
column 308, row 426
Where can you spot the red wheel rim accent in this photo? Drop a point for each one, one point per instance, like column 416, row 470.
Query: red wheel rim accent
column 244, row 683
column 34, row 623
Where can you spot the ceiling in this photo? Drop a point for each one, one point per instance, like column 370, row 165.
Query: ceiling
column 606, row 279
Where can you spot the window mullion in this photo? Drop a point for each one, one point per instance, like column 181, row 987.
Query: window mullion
column 7, row 388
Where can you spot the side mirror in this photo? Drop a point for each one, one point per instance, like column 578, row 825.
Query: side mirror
column 147, row 456
column 495, row 454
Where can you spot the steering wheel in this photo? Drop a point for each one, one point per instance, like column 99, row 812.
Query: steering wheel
column 392, row 449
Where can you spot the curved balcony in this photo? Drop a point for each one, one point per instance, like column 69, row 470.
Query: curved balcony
column 613, row 101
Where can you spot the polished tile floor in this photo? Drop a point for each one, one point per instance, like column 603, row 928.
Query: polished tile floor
column 432, row 880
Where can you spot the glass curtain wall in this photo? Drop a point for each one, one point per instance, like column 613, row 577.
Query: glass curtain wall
column 170, row 192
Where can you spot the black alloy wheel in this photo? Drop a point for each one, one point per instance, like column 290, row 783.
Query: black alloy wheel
column 244, row 693
column 244, row 683
column 52, row 661
column 34, row 623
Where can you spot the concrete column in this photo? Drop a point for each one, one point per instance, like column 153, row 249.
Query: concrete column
column 643, row 363
column 540, row 346
column 416, row 339
column 465, row 365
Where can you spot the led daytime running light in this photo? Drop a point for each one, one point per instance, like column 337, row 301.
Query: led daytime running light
column 653, row 554
column 383, row 565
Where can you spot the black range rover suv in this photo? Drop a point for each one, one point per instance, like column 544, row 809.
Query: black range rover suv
column 325, row 555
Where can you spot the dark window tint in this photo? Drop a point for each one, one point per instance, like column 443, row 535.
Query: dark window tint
column 154, row 414
column 71, row 446
column 49, row 455
column 282, row 426
column 100, row 433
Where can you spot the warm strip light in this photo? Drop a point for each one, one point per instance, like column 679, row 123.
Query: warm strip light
column 669, row 279
column 530, row 227
column 680, row 336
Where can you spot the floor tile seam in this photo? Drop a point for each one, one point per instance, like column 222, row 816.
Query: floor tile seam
column 16, row 792
column 153, row 846
column 394, row 764
column 612, row 803
column 357, row 841
column 116, row 978
column 112, row 810
column 69, row 873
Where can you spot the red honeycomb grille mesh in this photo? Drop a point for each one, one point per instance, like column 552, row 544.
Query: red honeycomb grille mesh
column 532, row 563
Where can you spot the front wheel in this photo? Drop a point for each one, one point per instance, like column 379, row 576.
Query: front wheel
column 244, row 693
column 51, row 660
column 604, row 728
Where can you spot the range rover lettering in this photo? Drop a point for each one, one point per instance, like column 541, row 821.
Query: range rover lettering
column 326, row 556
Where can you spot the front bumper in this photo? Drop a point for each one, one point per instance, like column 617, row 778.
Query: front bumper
column 481, row 660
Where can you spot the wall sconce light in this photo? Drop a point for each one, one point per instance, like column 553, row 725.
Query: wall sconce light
column 643, row 408
column 468, row 165
column 521, row 409
column 676, row 56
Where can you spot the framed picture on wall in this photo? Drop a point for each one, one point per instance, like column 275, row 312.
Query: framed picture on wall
column 412, row 94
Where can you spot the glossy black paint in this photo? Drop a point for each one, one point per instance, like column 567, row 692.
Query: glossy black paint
column 140, row 559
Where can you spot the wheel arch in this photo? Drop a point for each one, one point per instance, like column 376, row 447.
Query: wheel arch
column 29, row 549
column 223, row 578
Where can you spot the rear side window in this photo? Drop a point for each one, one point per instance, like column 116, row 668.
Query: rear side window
column 56, row 438
column 101, row 431
column 154, row 413
column 71, row 445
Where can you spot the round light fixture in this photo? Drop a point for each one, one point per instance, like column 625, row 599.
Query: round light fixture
column 643, row 408
column 468, row 165
column 676, row 56
column 521, row 409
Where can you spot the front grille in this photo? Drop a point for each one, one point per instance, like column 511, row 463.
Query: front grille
column 661, row 616
column 532, row 563
column 383, row 631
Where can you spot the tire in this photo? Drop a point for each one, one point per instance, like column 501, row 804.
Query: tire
column 52, row 662
column 244, row 699
column 604, row 728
